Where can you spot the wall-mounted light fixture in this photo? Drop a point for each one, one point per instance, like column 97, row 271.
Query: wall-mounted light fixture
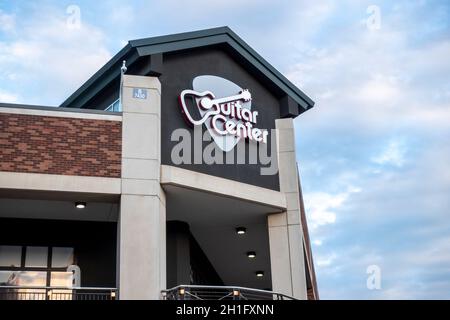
column 260, row 274
column 241, row 230
column 251, row 254
column 80, row 205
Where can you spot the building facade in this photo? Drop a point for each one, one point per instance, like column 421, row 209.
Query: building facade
column 179, row 172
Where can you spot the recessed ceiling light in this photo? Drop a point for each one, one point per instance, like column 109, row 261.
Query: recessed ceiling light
column 251, row 254
column 80, row 205
column 241, row 230
column 260, row 274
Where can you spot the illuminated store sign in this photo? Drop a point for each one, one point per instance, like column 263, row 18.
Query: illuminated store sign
column 225, row 110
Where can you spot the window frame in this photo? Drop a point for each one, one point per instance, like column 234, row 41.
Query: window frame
column 48, row 269
column 111, row 107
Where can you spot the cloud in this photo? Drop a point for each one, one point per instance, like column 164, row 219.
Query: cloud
column 379, row 89
column 393, row 154
column 325, row 261
column 419, row 273
column 7, row 97
column 317, row 242
column 399, row 221
column 7, row 22
column 122, row 14
column 321, row 207
column 47, row 59
column 380, row 123
column 374, row 79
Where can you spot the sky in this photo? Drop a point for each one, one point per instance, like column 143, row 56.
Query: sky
column 373, row 153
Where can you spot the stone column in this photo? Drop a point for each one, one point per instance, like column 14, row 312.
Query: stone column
column 142, row 223
column 285, row 230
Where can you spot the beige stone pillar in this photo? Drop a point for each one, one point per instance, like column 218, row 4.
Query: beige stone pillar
column 142, row 223
column 285, row 230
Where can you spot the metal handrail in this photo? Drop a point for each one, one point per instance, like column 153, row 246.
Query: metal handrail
column 231, row 289
column 56, row 293
column 58, row 288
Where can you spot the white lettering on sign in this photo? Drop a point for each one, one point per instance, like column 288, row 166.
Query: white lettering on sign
column 139, row 93
column 225, row 115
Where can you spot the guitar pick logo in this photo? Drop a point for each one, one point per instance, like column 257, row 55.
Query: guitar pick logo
column 225, row 110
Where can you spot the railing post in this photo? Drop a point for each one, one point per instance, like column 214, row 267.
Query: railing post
column 181, row 293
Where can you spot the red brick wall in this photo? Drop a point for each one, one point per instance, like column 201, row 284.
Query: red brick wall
column 55, row 145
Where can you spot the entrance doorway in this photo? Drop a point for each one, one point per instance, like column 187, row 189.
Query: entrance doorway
column 204, row 246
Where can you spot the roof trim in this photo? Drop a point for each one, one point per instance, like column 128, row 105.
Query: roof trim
column 55, row 109
column 188, row 40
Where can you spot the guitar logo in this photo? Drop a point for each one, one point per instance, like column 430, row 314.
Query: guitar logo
column 209, row 102
column 224, row 109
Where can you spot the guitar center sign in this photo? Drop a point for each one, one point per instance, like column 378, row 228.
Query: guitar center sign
column 225, row 110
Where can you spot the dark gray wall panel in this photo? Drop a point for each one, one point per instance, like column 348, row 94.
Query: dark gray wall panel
column 179, row 69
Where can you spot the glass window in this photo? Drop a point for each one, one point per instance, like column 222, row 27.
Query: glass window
column 31, row 278
column 62, row 257
column 61, row 279
column 10, row 256
column 8, row 278
column 115, row 106
column 23, row 279
column 36, row 257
